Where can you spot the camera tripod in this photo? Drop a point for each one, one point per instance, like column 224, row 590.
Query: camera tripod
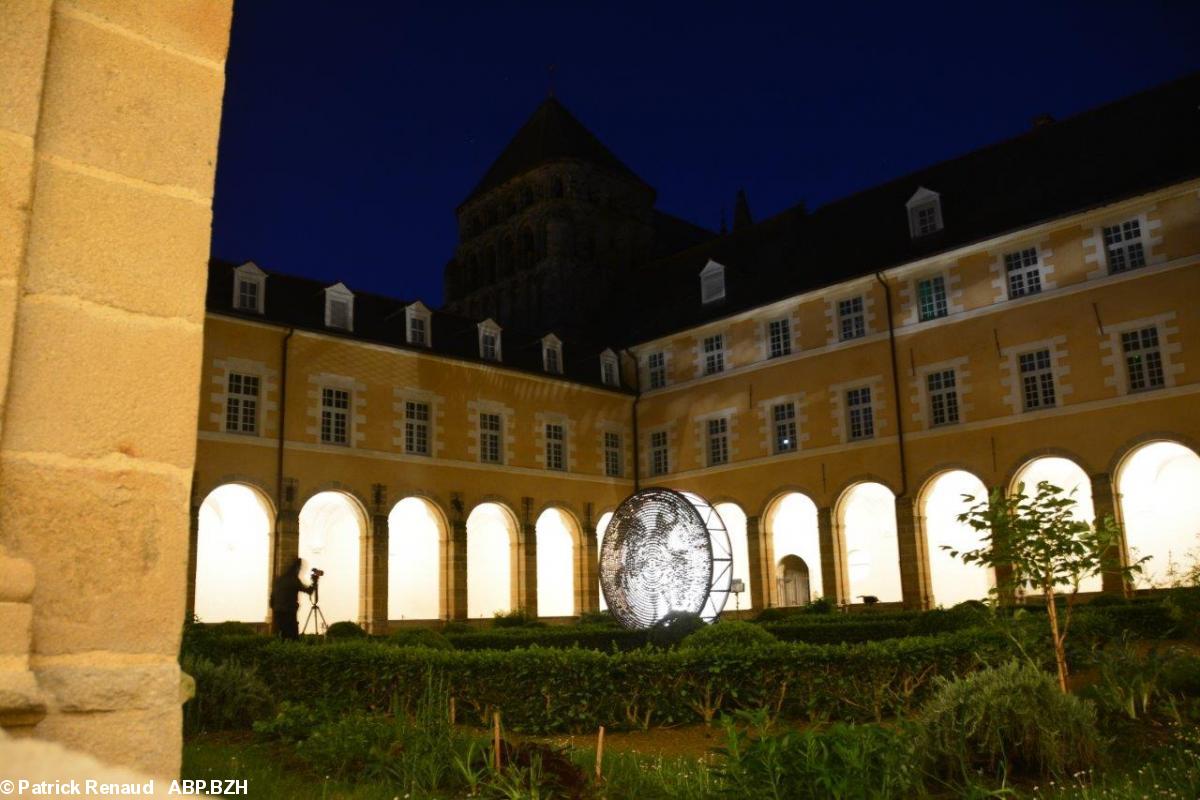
column 315, row 615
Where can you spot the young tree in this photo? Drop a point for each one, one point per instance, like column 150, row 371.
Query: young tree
column 1043, row 548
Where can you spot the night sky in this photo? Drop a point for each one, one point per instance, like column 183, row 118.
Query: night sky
column 351, row 131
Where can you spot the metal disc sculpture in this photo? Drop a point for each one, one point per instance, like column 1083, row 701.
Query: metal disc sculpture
column 665, row 551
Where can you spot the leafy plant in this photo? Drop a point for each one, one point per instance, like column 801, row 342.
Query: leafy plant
column 420, row 637
column 1010, row 720
column 1041, row 545
column 229, row 696
column 731, row 634
column 345, row 630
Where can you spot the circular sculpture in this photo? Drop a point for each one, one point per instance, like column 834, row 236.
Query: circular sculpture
column 665, row 551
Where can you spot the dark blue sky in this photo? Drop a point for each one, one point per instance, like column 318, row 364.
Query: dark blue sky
column 351, row 131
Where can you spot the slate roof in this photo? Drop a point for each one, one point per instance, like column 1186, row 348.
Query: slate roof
column 551, row 134
column 296, row 302
column 1126, row 148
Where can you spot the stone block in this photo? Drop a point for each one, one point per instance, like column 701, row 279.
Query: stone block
column 87, row 382
column 118, row 244
column 147, row 740
column 16, row 177
column 16, row 578
column 123, row 105
column 97, row 681
column 21, row 701
column 110, row 550
column 24, row 26
column 15, row 628
column 197, row 27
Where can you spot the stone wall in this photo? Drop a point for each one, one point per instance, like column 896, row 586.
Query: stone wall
column 109, row 115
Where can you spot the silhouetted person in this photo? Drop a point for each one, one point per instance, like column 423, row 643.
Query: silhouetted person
column 285, row 603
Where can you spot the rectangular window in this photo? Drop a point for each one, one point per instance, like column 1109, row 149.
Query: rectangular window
column 784, row 417
column 779, row 338
column 416, row 331
column 335, row 416
column 926, row 218
column 718, row 441
column 660, row 461
column 241, row 405
column 1024, row 271
column 1123, row 245
column 247, row 295
column 487, row 346
column 656, row 365
column 1037, row 379
column 556, row 445
column 852, row 320
column 491, row 429
column 943, row 397
column 339, row 314
column 931, row 298
column 416, row 428
column 608, row 372
column 1143, row 359
column 861, row 417
column 714, row 354
column 612, row 454
column 552, row 360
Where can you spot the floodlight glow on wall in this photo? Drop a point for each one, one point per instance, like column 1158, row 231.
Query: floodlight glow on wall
column 665, row 551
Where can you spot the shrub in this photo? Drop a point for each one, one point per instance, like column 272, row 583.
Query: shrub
column 420, row 637
column 597, row 618
column 731, row 634
column 1106, row 601
column 841, row 761
column 293, row 722
column 822, row 605
column 228, row 696
column 229, row 628
column 1011, row 720
column 674, row 628
column 345, row 630
column 1181, row 675
column 517, row 618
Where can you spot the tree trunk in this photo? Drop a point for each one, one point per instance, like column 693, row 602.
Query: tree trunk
column 1060, row 652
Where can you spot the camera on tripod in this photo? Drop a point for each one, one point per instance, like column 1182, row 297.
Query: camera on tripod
column 316, row 574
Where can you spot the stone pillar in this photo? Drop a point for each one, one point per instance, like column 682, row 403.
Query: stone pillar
column 589, row 593
column 377, row 574
column 525, row 580
column 456, row 571
column 109, row 115
column 756, row 570
column 833, row 562
column 287, row 541
column 915, row 588
column 1105, row 502
column 21, row 702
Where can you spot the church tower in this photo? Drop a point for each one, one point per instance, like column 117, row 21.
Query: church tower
column 547, row 232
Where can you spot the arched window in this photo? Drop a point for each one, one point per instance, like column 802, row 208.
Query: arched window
column 1160, row 507
column 233, row 555
column 557, row 538
column 331, row 531
column 952, row 580
column 415, row 536
column 602, row 526
column 735, row 523
column 1070, row 477
column 491, row 554
column 867, row 515
column 792, row 528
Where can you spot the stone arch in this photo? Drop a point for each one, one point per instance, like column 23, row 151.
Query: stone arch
column 266, row 493
column 865, row 515
column 334, row 526
column 234, row 544
column 561, row 568
column 602, row 521
column 791, row 527
column 1010, row 480
column 1067, row 473
column 418, row 535
column 939, row 502
column 1158, row 497
column 734, row 517
column 495, row 545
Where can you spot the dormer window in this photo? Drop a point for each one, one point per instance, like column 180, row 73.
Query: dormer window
column 924, row 213
column 339, row 307
column 609, row 374
column 417, row 325
column 552, row 354
column 712, row 283
column 249, row 288
column 489, row 340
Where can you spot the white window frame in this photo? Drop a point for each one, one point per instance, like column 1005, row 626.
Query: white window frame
column 856, row 318
column 331, row 412
column 1125, row 245
column 939, row 298
column 418, row 427
column 611, row 442
column 552, row 357
column 784, row 427
column 488, row 435
column 712, row 354
column 717, row 440
column 656, row 374
column 610, row 374
column 1023, row 272
column 238, row 400
column 779, row 337
column 1144, row 360
column 1037, row 381
column 338, row 293
column 556, row 446
column 712, row 282
column 942, row 395
column 250, row 274
column 489, row 328
column 860, row 411
column 660, row 452
column 924, row 200
column 414, row 313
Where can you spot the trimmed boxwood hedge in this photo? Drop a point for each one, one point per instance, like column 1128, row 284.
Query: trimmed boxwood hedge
column 545, row 690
